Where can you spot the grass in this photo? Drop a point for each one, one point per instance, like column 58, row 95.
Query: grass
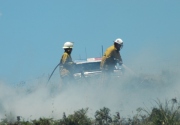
column 161, row 114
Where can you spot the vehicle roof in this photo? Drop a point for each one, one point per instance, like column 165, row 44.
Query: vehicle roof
column 89, row 60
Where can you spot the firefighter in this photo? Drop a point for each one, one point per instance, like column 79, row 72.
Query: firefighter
column 111, row 57
column 66, row 63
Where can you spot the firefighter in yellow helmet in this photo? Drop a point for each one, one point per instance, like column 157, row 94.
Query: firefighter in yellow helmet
column 111, row 57
column 66, row 63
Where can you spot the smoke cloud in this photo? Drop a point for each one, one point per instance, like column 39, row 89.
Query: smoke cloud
column 41, row 99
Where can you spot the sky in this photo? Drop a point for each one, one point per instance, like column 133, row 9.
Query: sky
column 32, row 33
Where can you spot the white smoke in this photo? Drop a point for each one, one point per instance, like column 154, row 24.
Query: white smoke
column 41, row 99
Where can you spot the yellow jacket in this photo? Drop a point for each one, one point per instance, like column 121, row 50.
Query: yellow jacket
column 110, row 58
column 66, row 64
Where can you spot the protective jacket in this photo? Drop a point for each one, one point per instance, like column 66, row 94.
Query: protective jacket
column 110, row 58
column 66, row 65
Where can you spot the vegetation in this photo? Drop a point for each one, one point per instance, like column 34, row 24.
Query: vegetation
column 167, row 114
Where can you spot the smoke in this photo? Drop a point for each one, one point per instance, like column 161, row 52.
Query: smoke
column 38, row 98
